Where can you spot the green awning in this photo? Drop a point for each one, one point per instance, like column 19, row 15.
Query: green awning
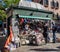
column 34, row 13
column 35, row 17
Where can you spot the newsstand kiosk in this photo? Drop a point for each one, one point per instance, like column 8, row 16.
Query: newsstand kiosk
column 22, row 22
column 29, row 20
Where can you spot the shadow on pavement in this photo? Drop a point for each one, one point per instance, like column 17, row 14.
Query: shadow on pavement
column 41, row 49
column 32, row 45
column 58, row 47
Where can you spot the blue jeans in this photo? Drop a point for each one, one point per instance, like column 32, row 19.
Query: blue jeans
column 54, row 37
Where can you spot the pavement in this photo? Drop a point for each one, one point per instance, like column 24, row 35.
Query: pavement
column 49, row 47
column 57, row 35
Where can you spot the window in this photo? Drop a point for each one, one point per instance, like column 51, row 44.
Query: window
column 56, row 5
column 46, row 3
column 41, row 2
column 53, row 4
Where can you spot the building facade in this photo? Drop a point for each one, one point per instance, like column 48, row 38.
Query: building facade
column 50, row 5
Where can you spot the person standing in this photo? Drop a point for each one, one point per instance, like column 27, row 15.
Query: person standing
column 54, row 29
column 45, row 32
